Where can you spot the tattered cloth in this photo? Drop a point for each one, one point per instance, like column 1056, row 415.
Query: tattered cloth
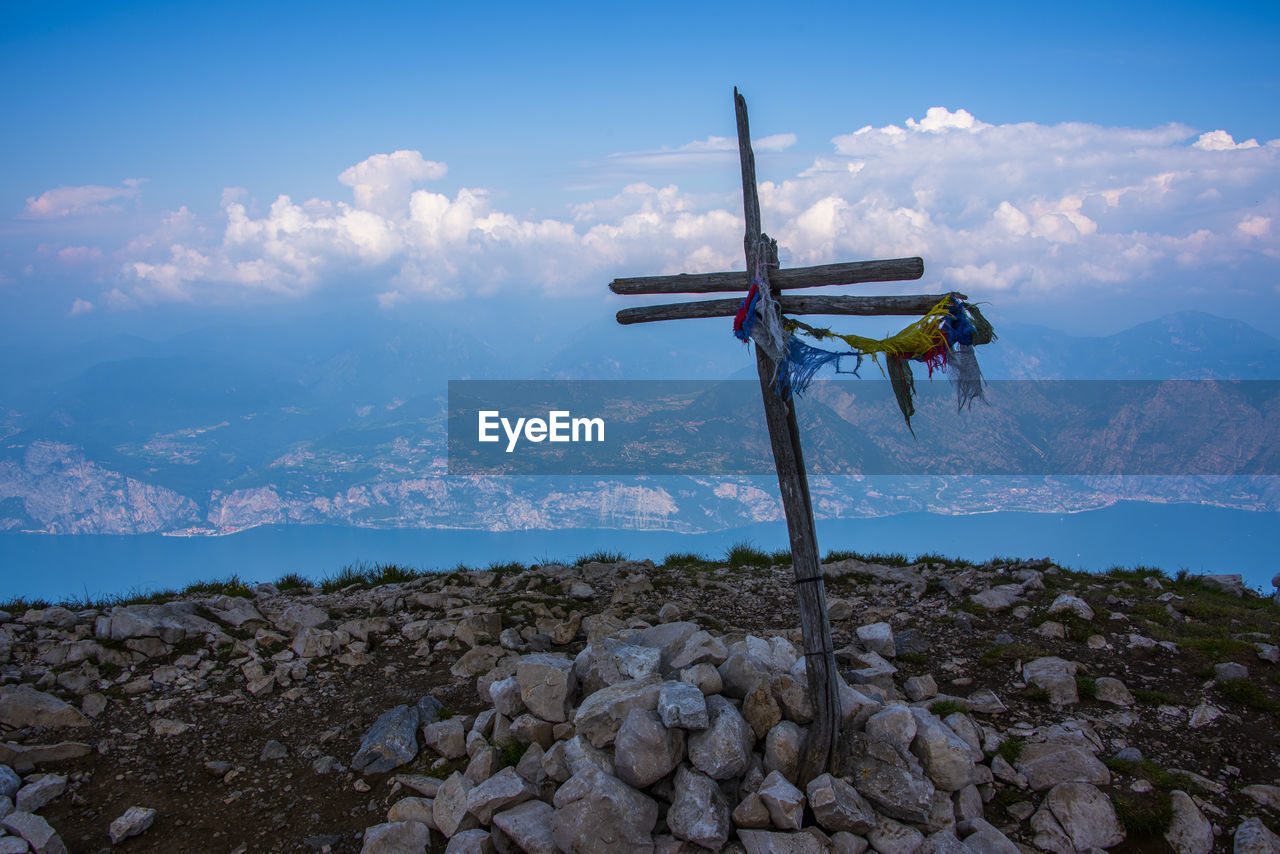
column 942, row 339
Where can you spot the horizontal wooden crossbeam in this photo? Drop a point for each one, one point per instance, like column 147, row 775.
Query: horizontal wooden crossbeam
column 851, row 273
column 812, row 304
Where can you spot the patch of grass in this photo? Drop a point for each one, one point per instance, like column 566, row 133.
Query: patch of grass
column 392, row 573
column 1087, row 687
column 600, row 557
column 348, row 576
column 683, row 567
column 19, row 605
column 230, row 586
column 150, row 597
column 1119, row 573
column 782, row 557
column 885, row 558
column 510, row 567
column 686, row 559
column 1223, row 613
column 1151, row 697
column 1246, row 692
column 1012, row 652
column 292, row 581
column 1208, row 603
column 84, row 602
column 1010, row 750
column 1219, row 649
column 511, row 752
column 1146, row 814
column 1152, row 612
column 972, row 607
column 365, row 575
column 914, row 660
column 744, row 554
column 1154, row 773
column 942, row 708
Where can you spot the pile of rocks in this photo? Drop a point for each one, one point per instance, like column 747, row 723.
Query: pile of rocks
column 669, row 738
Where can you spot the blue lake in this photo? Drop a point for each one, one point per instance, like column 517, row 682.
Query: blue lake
column 1171, row 537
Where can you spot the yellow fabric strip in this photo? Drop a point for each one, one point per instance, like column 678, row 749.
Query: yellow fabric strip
column 916, row 339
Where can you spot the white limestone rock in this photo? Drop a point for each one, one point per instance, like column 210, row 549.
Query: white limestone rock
column 681, row 704
column 547, row 685
column 504, row 789
column 878, row 638
column 838, row 806
column 1086, row 815
column 1056, row 676
column 1071, row 604
column 723, row 749
column 783, row 800
column 529, row 827
column 134, row 822
column 944, row 755
column 699, row 812
column 602, row 713
column 1189, row 832
column 644, row 750
column 599, row 814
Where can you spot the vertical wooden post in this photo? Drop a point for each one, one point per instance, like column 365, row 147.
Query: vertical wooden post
column 793, row 484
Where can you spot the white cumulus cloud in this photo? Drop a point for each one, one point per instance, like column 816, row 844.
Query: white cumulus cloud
column 1023, row 209
column 1220, row 140
column 382, row 182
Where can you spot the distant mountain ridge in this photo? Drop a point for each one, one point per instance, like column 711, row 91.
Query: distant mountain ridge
column 229, row 427
column 1183, row 345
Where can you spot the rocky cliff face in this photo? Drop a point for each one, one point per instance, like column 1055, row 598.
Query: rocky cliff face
column 55, row 489
column 1004, row 707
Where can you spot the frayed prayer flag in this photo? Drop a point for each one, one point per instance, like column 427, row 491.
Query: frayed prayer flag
column 966, row 376
column 904, row 387
column 804, row 362
column 745, row 319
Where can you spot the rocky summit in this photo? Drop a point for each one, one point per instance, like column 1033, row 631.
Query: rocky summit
column 624, row 706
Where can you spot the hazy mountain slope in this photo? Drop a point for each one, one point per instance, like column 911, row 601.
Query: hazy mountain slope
column 321, row 420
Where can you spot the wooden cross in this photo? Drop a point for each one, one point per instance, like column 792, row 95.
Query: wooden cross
column 780, row 415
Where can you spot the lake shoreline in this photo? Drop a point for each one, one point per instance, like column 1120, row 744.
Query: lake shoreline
column 1171, row 537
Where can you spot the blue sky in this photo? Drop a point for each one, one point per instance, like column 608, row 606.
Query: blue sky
column 1077, row 164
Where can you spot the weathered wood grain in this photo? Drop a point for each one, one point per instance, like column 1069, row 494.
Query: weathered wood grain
column 850, row 273
column 913, row 304
column 784, row 437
